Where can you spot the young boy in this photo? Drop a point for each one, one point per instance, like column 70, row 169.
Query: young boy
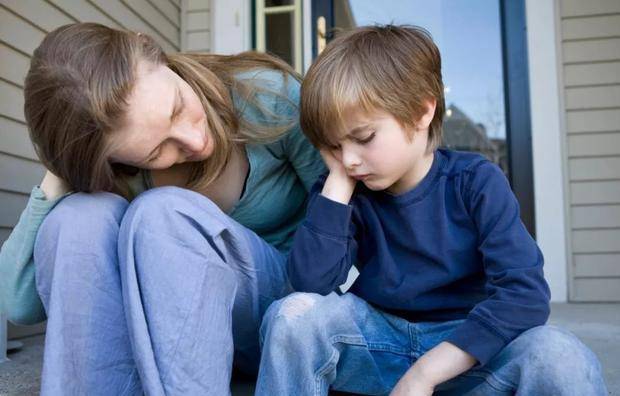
column 451, row 294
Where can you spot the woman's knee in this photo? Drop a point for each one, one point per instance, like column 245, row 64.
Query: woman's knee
column 84, row 213
column 156, row 202
column 78, row 239
column 173, row 212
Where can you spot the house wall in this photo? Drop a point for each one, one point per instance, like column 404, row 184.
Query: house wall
column 23, row 24
column 196, row 22
column 590, row 89
column 547, row 142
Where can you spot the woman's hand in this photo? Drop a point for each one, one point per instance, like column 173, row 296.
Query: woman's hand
column 53, row 186
column 338, row 186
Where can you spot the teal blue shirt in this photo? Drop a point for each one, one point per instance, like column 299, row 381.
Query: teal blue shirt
column 272, row 204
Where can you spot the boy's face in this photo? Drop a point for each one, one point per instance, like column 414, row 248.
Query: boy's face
column 378, row 151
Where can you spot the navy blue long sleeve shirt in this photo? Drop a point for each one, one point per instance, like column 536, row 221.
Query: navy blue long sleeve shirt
column 453, row 247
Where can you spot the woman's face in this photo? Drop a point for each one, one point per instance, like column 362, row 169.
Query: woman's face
column 165, row 125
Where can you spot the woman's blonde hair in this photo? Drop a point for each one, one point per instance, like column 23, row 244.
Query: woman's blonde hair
column 79, row 82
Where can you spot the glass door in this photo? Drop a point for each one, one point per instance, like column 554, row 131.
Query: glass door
column 278, row 29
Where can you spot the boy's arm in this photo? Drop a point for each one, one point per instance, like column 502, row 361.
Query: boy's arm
column 324, row 248
column 517, row 293
column 441, row 363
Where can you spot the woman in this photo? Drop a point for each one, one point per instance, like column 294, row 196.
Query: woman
column 151, row 294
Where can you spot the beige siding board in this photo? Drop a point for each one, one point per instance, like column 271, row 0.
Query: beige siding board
column 605, row 216
column 591, row 27
column 14, row 139
column 594, row 168
column 590, row 36
column 585, row 121
column 197, row 20
column 155, row 19
column 198, row 41
column 12, row 206
column 571, row 8
column 594, row 144
column 197, row 5
column 596, row 241
column 593, row 97
column 40, row 13
column 18, row 174
column 14, row 65
column 83, row 11
column 592, row 51
column 18, row 33
column 11, row 101
column 597, row 264
column 596, row 289
column 593, row 193
column 591, row 74
column 169, row 10
column 122, row 14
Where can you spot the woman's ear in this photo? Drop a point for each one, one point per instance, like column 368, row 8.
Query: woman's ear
column 425, row 121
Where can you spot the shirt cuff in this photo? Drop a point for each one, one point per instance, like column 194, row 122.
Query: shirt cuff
column 478, row 340
column 329, row 217
column 39, row 205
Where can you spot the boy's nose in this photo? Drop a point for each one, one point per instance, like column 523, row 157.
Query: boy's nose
column 350, row 160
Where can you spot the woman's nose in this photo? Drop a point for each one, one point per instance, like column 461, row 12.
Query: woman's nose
column 191, row 139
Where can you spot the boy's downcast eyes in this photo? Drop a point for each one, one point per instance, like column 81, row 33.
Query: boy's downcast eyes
column 366, row 139
column 361, row 141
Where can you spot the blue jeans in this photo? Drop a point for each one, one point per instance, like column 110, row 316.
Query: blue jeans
column 157, row 296
column 312, row 343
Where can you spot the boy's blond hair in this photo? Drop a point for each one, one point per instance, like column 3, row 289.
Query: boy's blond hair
column 390, row 68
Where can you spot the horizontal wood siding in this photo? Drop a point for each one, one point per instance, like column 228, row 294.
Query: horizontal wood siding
column 196, row 22
column 590, row 34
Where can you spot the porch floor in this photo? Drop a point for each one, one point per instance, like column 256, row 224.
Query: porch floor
column 597, row 325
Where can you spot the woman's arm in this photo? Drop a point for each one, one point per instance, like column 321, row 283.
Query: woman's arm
column 17, row 272
column 53, row 186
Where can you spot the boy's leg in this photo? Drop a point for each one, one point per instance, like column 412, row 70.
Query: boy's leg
column 545, row 360
column 313, row 343
column 194, row 280
column 87, row 349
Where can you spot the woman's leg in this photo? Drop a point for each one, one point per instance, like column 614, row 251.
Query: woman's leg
column 193, row 281
column 87, row 348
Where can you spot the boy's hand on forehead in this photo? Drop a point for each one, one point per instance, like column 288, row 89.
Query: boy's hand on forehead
column 338, row 186
column 333, row 163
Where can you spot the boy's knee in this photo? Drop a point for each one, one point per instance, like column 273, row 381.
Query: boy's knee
column 297, row 316
column 559, row 356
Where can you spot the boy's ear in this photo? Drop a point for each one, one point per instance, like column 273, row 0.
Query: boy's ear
column 425, row 121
